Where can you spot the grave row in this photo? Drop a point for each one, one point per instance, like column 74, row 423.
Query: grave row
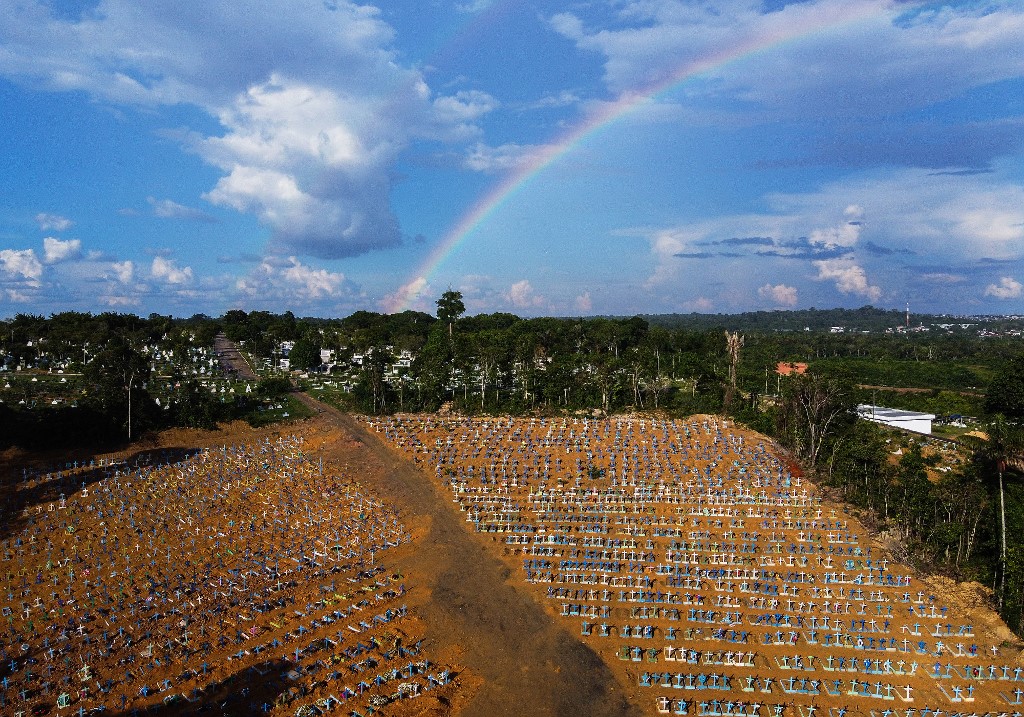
column 668, row 538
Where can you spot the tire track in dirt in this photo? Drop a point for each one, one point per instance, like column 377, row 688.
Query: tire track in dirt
column 530, row 665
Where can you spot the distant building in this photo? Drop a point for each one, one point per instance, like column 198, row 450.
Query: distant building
column 788, row 369
column 897, row 418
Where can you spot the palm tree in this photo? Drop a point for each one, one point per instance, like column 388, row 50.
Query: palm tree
column 1005, row 448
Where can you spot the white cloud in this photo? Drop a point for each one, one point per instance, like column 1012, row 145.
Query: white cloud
column 123, row 271
column 522, row 296
column 483, row 158
column 845, row 235
column 923, row 228
column 167, row 271
column 665, row 245
column 951, row 218
column 21, row 264
column 313, row 283
column 114, row 300
column 583, row 302
column 56, row 250
column 53, row 222
column 464, row 107
column 474, row 7
column 314, row 103
column 701, row 304
column 413, row 294
column 17, row 297
column 311, row 164
column 168, row 209
column 780, row 294
column 289, row 280
column 565, row 98
column 1007, row 288
column 907, row 56
column 849, row 277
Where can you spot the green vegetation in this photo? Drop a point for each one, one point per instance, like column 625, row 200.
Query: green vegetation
column 83, row 379
column 286, row 408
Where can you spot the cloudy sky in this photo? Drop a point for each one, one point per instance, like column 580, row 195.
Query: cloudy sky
column 542, row 157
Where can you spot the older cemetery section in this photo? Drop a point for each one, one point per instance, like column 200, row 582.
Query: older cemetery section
column 711, row 577
column 250, row 578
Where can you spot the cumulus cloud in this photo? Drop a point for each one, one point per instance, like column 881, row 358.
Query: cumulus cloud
column 288, row 279
column 56, row 250
column 1007, row 288
column 167, row 271
column 315, row 106
column 924, row 228
column 845, row 235
column 849, row 277
column 17, row 297
column 522, row 296
column 123, row 271
column 955, row 217
column 22, row 265
column 666, row 246
column 311, row 165
column 411, row 294
column 583, row 302
column 463, row 109
column 312, row 283
column 780, row 294
column 168, row 209
column 53, row 222
column 701, row 303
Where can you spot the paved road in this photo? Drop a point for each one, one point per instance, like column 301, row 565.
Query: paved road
column 231, row 358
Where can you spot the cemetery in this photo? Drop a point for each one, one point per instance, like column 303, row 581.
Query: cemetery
column 254, row 577
column 709, row 574
column 275, row 574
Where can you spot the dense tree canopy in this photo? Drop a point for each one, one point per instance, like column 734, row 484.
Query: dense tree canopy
column 1006, row 392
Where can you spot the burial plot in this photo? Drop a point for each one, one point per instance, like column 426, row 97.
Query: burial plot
column 250, row 574
column 711, row 578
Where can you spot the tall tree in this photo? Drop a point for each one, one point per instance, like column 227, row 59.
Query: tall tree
column 305, row 354
column 813, row 410
column 1005, row 394
column 1004, row 448
column 450, row 308
column 117, row 375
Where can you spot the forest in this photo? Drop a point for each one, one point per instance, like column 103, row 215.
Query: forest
column 952, row 521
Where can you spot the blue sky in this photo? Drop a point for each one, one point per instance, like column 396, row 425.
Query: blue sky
column 621, row 156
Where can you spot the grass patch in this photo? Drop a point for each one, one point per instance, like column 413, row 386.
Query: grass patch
column 284, row 408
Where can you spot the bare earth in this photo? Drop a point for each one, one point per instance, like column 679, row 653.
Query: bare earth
column 327, row 563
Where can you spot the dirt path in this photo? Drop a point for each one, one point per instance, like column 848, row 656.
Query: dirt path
column 528, row 662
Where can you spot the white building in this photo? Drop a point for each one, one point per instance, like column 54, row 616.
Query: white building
column 897, row 418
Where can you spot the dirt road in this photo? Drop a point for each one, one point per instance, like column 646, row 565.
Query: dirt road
column 530, row 665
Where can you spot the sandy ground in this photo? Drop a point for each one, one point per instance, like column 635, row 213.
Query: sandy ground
column 234, row 572
column 490, row 567
column 684, row 553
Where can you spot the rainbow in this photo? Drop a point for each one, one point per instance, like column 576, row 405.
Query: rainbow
column 811, row 22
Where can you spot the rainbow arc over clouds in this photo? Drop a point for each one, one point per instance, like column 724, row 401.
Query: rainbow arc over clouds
column 816, row 20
